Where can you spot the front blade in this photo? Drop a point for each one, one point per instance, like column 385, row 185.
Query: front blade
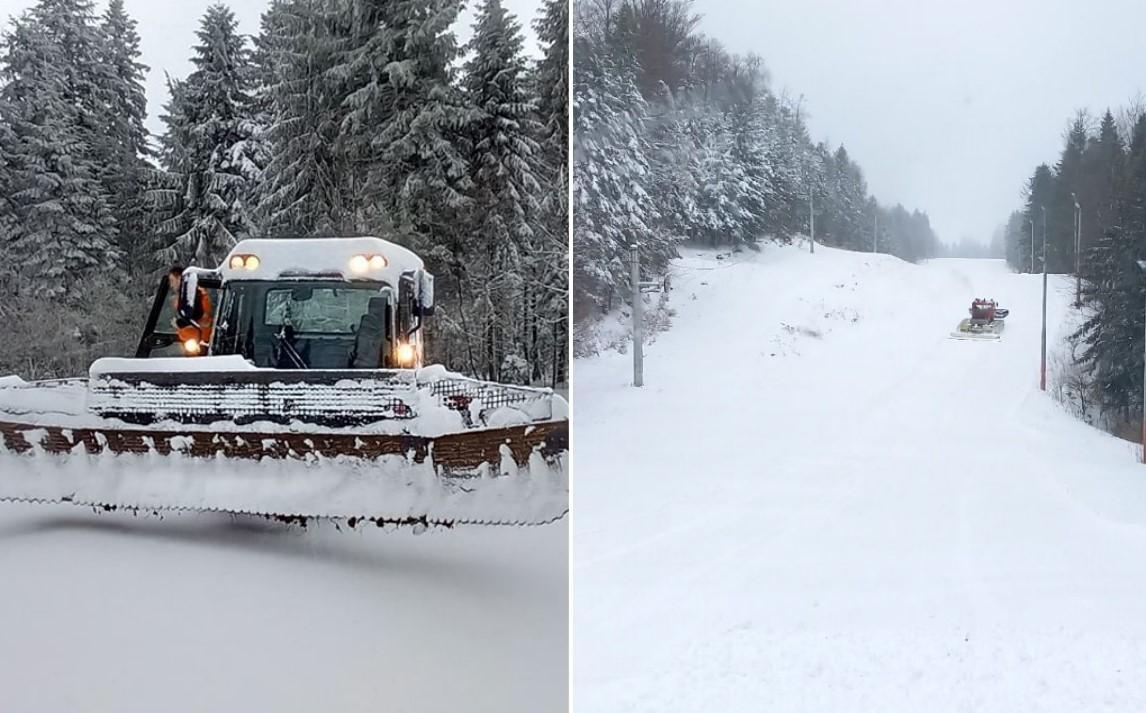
column 507, row 476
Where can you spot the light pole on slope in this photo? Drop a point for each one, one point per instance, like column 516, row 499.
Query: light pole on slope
column 1043, row 353
column 875, row 233
column 1142, row 266
column 1032, row 244
column 1077, row 252
column 811, row 221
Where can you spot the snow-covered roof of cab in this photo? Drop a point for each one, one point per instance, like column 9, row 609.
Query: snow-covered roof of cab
column 318, row 257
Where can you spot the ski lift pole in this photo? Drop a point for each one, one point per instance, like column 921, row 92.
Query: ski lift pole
column 1043, row 357
column 1032, row 245
column 811, row 221
column 1142, row 266
column 638, row 319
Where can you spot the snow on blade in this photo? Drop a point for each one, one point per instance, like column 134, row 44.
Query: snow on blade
column 389, row 487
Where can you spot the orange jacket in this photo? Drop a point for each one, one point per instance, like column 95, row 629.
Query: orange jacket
column 206, row 324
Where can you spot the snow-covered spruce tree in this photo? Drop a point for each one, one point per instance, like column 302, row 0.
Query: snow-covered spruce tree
column 725, row 198
column 404, row 117
column 1103, row 164
column 611, row 207
column 209, row 149
column 63, row 228
column 8, row 148
column 503, row 156
column 847, row 196
column 1068, row 178
column 1039, row 191
column 752, row 136
column 787, row 153
column 1012, row 240
column 1115, row 293
column 303, row 186
column 674, row 171
column 552, row 81
column 123, row 144
column 547, row 268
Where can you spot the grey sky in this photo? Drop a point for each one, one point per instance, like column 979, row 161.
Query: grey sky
column 948, row 106
column 167, row 33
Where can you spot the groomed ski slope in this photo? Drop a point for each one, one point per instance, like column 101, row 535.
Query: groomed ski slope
column 877, row 518
column 110, row 613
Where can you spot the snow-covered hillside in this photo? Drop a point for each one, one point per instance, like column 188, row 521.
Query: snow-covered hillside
column 112, row 613
column 819, row 502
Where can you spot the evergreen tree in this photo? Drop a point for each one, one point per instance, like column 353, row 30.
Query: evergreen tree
column 552, row 81
column 1115, row 293
column 303, row 189
column 611, row 207
column 1102, row 166
column 123, row 143
column 211, row 148
column 503, row 157
column 62, row 225
column 404, row 115
column 549, row 298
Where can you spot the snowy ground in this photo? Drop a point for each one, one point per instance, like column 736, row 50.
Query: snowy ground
column 208, row 613
column 819, row 502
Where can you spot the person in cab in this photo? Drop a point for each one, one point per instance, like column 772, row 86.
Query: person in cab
column 193, row 320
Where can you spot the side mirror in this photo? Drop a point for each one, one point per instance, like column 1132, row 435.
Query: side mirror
column 425, row 294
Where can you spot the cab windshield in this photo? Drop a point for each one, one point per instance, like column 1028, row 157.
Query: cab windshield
column 306, row 324
column 318, row 310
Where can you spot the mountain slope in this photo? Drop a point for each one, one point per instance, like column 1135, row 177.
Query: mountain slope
column 820, row 502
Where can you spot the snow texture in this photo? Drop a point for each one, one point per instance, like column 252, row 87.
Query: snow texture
column 391, row 486
column 108, row 613
column 169, row 365
column 820, row 502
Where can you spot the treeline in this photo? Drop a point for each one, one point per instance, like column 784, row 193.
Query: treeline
column 676, row 139
column 340, row 117
column 1103, row 168
column 968, row 248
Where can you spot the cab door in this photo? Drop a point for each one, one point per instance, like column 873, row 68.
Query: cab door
column 160, row 338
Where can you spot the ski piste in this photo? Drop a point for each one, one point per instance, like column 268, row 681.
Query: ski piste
column 360, row 433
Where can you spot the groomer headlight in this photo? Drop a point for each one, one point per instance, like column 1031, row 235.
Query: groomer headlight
column 359, row 264
column 406, row 354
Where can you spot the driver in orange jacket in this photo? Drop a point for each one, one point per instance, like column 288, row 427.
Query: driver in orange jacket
column 193, row 323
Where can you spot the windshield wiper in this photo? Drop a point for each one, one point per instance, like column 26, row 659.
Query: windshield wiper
column 290, row 350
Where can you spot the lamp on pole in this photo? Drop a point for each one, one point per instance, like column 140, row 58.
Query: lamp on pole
column 1043, row 353
column 1077, row 252
column 1142, row 266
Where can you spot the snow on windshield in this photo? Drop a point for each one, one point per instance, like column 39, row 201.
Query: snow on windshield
column 330, row 310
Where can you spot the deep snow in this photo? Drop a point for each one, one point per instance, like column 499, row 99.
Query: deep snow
column 820, row 502
column 212, row 613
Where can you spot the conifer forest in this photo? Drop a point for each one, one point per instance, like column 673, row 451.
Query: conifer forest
column 337, row 118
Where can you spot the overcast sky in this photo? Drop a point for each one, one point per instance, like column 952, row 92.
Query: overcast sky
column 167, row 33
column 947, row 106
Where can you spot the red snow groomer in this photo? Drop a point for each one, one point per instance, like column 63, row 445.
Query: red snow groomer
column 985, row 322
